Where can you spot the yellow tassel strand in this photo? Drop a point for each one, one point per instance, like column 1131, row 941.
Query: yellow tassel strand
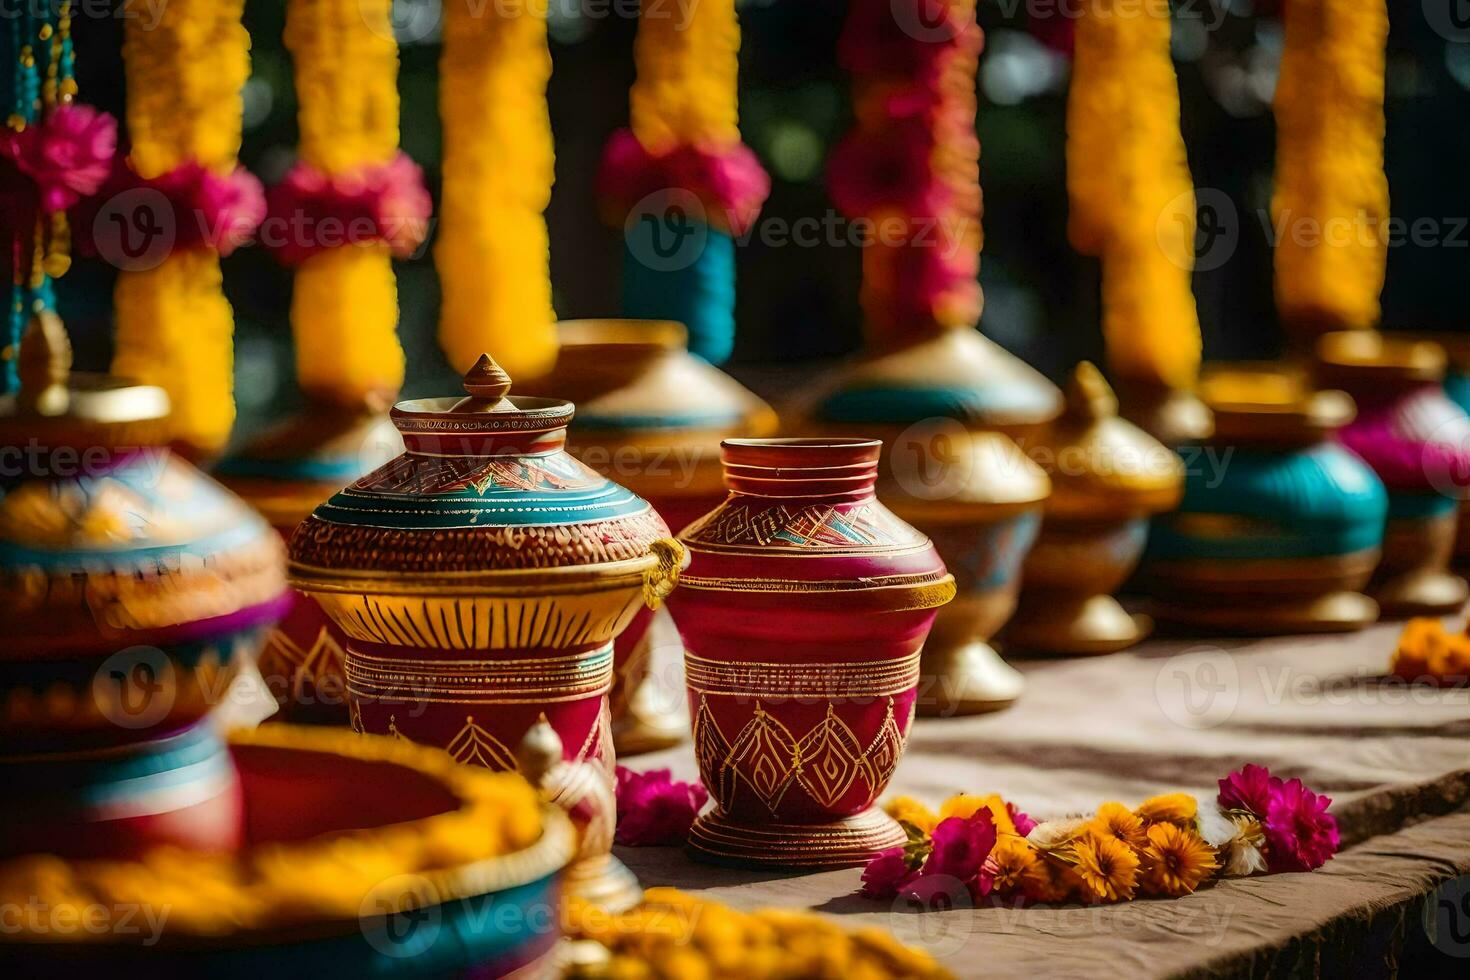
column 1331, row 198
column 688, row 55
column 174, row 326
column 493, row 252
column 1132, row 194
column 344, row 306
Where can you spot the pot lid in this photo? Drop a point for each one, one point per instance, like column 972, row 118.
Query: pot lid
column 1098, row 461
column 958, row 374
column 484, row 485
column 1270, row 404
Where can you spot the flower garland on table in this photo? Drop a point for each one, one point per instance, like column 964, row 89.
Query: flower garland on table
column 54, row 152
column 682, row 162
column 1427, row 651
column 656, row 809
column 911, row 168
column 678, row 936
column 1169, row 845
column 493, row 252
column 1329, row 165
column 174, row 326
column 1130, row 192
column 350, row 205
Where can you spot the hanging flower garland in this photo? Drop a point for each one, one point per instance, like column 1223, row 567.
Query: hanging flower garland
column 54, row 152
column 493, row 251
column 350, row 205
column 1428, row 652
column 1130, row 193
column 1331, row 195
column 1169, row 845
column 174, row 325
column 911, row 169
column 681, row 174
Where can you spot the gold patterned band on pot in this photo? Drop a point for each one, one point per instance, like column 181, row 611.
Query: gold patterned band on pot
column 529, row 680
column 848, row 680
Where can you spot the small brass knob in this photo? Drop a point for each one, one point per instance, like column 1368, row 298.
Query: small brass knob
column 487, row 380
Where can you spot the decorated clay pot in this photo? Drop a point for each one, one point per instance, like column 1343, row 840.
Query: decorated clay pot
column 481, row 579
column 946, row 409
column 355, row 857
column 650, row 415
column 284, row 474
column 1280, row 527
column 1108, row 477
column 807, row 604
column 178, row 788
column 1418, row 442
column 1457, row 389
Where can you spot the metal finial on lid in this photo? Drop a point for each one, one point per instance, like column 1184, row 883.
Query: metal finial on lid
column 1089, row 397
column 487, row 380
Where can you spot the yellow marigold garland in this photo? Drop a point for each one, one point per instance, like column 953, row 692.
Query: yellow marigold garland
column 493, row 249
column 1331, row 195
column 344, row 307
column 1428, row 652
column 1131, row 194
column 680, row 937
column 687, row 53
column 174, row 326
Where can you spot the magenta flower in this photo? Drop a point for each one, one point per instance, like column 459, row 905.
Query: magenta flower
column 654, row 808
column 887, row 874
column 68, row 153
column 901, row 37
column 961, row 845
column 891, row 169
column 728, row 181
column 1250, row 788
column 311, row 211
column 1300, row 834
column 1022, row 820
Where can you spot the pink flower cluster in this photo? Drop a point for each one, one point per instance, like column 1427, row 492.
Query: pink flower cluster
column 311, row 211
column 654, row 808
column 729, row 183
column 68, row 154
column 956, row 854
column 204, row 209
column 1300, row 834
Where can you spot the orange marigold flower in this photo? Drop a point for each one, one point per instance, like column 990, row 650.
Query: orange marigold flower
column 965, row 805
column 1170, row 808
column 1107, row 868
column 1117, row 821
column 1009, row 863
column 911, row 811
column 1177, row 860
column 1047, row 881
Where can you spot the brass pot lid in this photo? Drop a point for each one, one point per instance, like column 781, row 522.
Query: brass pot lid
column 1100, row 463
column 484, row 487
column 1270, row 404
column 1360, row 361
column 957, row 374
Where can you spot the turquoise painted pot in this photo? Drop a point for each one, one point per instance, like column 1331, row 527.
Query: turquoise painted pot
column 1279, row 528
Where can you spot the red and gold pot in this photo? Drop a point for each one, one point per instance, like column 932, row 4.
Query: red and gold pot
column 803, row 613
column 650, row 416
column 482, row 578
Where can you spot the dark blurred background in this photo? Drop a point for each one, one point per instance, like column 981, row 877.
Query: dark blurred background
column 800, row 303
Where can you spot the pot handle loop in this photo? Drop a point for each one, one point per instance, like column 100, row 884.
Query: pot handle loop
column 660, row 580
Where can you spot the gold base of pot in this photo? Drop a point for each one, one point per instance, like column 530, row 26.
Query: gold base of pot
column 604, row 882
column 716, row 839
column 648, row 715
column 1423, row 592
column 968, row 679
column 648, row 727
column 1335, row 612
column 1048, row 623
